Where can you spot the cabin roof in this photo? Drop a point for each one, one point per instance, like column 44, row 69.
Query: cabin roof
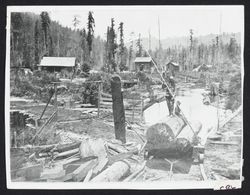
column 143, row 59
column 58, row 61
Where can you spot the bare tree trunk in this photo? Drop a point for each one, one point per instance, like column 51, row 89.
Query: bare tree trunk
column 118, row 109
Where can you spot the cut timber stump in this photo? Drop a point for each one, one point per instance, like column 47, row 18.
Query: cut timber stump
column 113, row 173
column 118, row 109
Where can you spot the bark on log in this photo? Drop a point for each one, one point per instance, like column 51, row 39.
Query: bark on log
column 114, row 173
column 161, row 142
column 118, row 109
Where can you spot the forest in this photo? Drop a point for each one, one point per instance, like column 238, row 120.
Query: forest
column 34, row 36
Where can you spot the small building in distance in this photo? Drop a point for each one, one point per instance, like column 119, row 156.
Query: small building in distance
column 172, row 68
column 56, row 64
column 203, row 68
column 144, row 64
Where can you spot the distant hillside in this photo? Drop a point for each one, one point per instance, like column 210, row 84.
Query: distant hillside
column 184, row 41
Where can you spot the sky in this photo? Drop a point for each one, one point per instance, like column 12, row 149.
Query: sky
column 174, row 20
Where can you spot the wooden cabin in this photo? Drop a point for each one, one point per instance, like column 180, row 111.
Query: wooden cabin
column 144, row 64
column 172, row 67
column 56, row 64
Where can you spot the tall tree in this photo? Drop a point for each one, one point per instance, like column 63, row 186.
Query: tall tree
column 84, row 45
column 191, row 49
column 139, row 47
column 90, row 26
column 111, row 46
column 37, row 60
column 45, row 20
column 122, row 63
column 76, row 21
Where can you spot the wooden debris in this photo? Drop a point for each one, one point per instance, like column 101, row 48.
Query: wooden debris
column 117, row 148
column 88, row 176
column 223, row 143
column 129, row 178
column 101, row 166
column 93, row 147
column 80, row 173
column 119, row 157
column 67, row 153
column 113, row 173
column 204, row 176
column 138, row 176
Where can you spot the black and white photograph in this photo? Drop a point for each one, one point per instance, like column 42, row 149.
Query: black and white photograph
column 124, row 97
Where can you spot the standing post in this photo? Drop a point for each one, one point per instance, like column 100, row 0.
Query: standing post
column 118, row 109
column 55, row 87
column 99, row 97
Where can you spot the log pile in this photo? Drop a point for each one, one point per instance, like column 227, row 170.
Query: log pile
column 92, row 160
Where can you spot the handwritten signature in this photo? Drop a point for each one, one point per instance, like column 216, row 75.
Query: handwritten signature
column 227, row 187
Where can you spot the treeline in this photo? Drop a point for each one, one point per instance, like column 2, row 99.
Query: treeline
column 34, row 36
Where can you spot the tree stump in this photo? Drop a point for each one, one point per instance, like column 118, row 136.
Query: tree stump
column 118, row 109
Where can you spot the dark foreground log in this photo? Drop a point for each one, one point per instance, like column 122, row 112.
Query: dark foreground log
column 161, row 143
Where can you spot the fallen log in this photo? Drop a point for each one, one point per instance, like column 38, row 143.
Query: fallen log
column 66, row 147
column 162, row 143
column 80, row 173
column 113, row 173
column 66, row 154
